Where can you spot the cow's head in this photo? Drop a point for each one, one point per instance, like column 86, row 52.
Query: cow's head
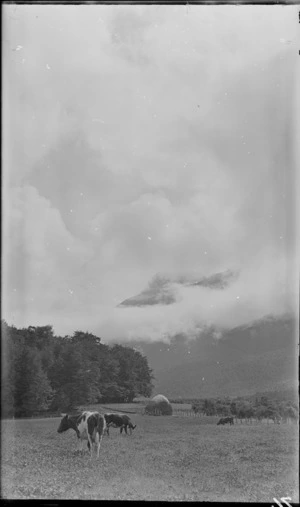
column 131, row 427
column 65, row 424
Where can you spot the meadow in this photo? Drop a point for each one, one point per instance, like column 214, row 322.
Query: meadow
column 166, row 458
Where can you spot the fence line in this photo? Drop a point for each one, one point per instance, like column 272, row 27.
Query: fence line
column 117, row 411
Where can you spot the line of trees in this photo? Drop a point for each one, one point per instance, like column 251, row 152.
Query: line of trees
column 43, row 372
column 260, row 407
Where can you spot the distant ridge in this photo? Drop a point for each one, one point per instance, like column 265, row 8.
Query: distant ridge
column 260, row 356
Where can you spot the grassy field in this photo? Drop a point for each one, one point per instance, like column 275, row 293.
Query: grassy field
column 166, row 458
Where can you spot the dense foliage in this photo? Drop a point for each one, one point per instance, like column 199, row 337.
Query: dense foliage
column 41, row 371
column 252, row 407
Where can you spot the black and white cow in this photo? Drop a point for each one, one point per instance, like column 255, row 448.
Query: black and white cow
column 226, row 420
column 121, row 421
column 88, row 426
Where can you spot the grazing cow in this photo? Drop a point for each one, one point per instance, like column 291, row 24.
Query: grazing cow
column 225, row 420
column 88, row 426
column 121, row 421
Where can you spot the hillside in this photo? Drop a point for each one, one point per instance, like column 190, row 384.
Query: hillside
column 247, row 359
column 270, row 372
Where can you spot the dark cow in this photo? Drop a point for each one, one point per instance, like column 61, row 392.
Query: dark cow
column 226, row 420
column 121, row 421
column 88, row 426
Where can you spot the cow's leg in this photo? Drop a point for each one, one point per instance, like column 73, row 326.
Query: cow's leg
column 130, row 431
column 80, row 445
column 91, row 444
column 99, row 445
column 121, row 429
column 125, row 427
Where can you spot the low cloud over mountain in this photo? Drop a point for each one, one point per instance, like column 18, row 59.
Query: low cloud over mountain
column 162, row 291
column 247, row 359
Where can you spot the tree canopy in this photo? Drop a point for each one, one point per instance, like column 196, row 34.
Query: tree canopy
column 41, row 371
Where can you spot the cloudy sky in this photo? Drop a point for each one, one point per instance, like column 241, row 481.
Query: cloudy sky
column 141, row 140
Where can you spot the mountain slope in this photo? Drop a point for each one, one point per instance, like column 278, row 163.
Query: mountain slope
column 269, row 372
column 257, row 357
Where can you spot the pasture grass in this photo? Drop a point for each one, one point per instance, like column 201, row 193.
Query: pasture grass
column 166, row 458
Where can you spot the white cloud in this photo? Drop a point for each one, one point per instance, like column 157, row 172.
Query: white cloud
column 147, row 122
column 42, row 258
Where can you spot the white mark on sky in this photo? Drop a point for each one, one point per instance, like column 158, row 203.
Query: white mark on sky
column 285, row 41
column 48, row 67
column 149, row 237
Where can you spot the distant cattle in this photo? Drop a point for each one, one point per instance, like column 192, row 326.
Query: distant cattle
column 121, row 421
column 88, row 426
column 226, row 420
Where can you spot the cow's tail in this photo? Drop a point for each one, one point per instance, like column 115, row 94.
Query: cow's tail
column 101, row 425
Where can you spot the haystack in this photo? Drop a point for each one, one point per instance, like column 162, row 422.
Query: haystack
column 159, row 405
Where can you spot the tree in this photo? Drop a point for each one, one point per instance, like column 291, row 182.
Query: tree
column 233, row 408
column 79, row 379
column 260, row 412
column 244, row 410
column 196, row 407
column 134, row 375
column 33, row 392
column 42, row 371
column 209, row 407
